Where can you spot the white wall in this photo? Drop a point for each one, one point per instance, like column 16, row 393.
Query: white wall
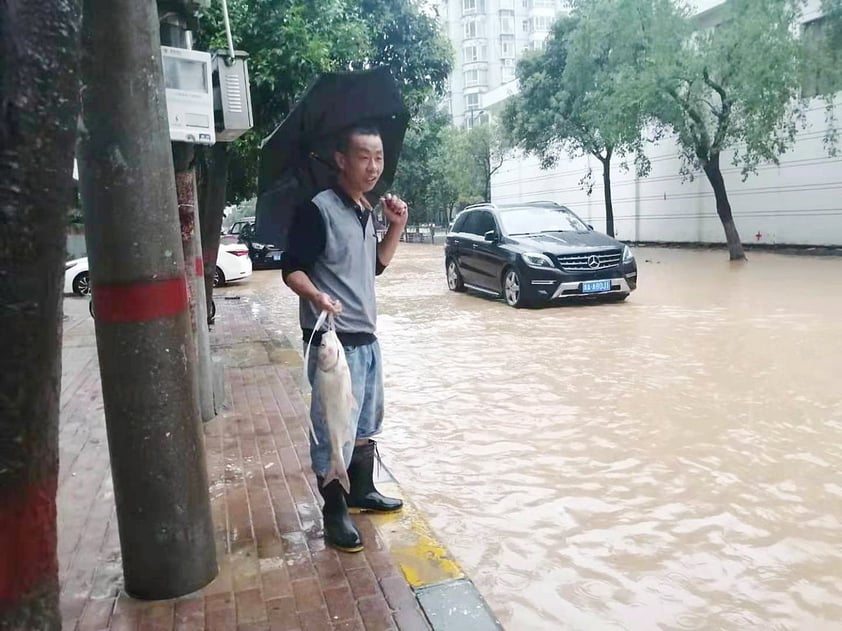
column 798, row 202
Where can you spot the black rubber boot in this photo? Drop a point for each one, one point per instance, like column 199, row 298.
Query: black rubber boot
column 363, row 495
column 340, row 531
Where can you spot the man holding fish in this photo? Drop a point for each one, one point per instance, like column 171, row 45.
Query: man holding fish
column 331, row 261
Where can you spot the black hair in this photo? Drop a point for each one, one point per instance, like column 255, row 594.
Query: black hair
column 357, row 130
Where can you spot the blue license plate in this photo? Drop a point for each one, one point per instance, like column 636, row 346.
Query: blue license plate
column 596, row 286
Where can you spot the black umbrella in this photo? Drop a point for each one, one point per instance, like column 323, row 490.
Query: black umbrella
column 296, row 160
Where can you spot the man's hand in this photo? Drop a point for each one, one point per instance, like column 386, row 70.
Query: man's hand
column 323, row 302
column 395, row 210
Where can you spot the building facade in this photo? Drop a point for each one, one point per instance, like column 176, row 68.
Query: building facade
column 488, row 38
column 797, row 202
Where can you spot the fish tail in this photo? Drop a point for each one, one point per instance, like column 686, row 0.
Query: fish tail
column 339, row 472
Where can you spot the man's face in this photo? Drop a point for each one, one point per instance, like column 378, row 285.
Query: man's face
column 362, row 165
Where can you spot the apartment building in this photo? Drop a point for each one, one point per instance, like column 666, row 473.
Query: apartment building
column 488, row 37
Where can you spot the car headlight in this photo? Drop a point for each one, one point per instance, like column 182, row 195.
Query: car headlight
column 628, row 255
column 536, row 259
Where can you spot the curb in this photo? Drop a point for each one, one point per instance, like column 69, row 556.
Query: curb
column 448, row 598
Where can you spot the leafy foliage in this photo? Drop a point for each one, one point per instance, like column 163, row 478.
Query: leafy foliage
column 290, row 42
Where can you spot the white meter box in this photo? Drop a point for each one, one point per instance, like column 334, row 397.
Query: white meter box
column 187, row 74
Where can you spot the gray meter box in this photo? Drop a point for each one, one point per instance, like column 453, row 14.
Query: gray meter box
column 231, row 95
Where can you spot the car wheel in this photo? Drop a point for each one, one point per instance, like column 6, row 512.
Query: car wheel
column 454, row 278
column 82, row 284
column 513, row 288
column 218, row 278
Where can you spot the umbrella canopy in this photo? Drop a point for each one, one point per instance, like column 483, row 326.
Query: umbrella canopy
column 296, row 160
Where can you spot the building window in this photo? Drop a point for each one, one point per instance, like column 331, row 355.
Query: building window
column 817, row 79
column 526, row 26
column 507, row 48
column 474, row 28
column 541, row 23
column 507, row 25
column 507, row 73
column 474, row 78
column 472, row 101
column 475, row 52
column 543, row 4
column 473, row 6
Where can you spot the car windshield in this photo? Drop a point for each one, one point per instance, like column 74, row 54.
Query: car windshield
column 529, row 220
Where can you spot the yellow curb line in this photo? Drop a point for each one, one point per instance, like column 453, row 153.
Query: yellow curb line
column 421, row 557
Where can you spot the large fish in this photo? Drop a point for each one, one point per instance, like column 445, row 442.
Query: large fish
column 338, row 404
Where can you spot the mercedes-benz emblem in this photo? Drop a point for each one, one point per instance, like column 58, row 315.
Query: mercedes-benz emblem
column 593, row 261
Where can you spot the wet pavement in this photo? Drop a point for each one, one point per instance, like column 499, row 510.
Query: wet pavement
column 670, row 462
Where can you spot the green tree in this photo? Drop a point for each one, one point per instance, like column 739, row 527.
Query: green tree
column 481, row 151
column 735, row 87
column 424, row 178
column 410, row 42
column 289, row 43
column 574, row 95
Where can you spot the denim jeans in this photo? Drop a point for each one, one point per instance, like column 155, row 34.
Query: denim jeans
column 367, row 385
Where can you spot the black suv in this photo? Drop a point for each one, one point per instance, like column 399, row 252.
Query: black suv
column 535, row 252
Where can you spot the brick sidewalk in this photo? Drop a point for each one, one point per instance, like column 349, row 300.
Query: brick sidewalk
column 275, row 572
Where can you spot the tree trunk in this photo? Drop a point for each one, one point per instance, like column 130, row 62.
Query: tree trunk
column 723, row 208
column 488, row 179
column 39, row 49
column 606, row 184
column 212, row 192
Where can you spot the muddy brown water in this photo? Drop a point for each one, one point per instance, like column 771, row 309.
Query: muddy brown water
column 672, row 462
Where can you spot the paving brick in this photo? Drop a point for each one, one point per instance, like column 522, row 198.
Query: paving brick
column 282, row 614
column 341, row 603
column 190, row 614
column 250, row 607
column 308, row 594
column 411, row 619
column 349, row 625
column 376, row 614
column 363, row 582
column 314, row 620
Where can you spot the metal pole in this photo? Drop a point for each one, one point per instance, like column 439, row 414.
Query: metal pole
column 228, row 30
column 140, row 293
column 174, row 33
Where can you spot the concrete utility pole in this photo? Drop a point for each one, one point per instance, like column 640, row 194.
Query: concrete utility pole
column 175, row 17
column 144, row 337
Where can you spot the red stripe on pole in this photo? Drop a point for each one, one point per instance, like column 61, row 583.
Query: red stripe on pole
column 27, row 538
column 200, row 266
column 140, row 302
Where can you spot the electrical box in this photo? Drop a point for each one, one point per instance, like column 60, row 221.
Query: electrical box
column 187, row 74
column 231, row 95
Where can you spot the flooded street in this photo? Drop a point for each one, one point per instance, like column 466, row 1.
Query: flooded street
column 672, row 462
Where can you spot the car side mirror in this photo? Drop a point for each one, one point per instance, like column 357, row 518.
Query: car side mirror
column 492, row 236
column 590, row 227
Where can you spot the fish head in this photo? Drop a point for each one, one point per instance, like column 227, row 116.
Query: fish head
column 329, row 351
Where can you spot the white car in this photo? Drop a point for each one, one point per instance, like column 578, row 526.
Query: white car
column 232, row 263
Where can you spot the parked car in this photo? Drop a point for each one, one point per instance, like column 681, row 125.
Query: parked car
column 232, row 263
column 262, row 255
column 534, row 253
